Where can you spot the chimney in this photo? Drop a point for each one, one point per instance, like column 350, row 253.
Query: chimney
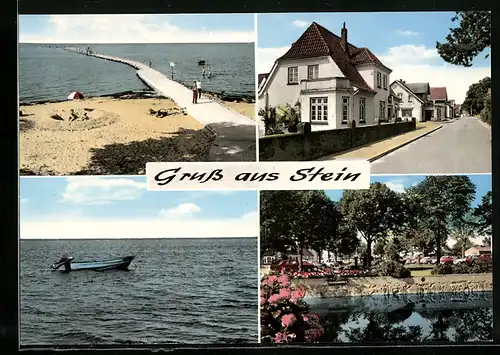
column 343, row 39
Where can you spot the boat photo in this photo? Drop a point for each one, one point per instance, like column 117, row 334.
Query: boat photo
column 96, row 265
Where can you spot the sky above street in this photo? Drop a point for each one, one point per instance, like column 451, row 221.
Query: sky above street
column 195, row 28
column 405, row 42
column 399, row 183
column 120, row 207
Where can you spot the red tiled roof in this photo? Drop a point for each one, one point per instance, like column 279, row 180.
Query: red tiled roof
column 317, row 41
column 439, row 93
column 262, row 77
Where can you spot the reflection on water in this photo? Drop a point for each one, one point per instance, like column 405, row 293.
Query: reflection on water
column 419, row 318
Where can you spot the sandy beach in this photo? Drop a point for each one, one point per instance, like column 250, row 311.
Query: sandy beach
column 107, row 136
column 245, row 108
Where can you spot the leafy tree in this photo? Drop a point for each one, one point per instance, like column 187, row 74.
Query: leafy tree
column 289, row 116
column 346, row 240
column 486, row 112
column 484, row 214
column 378, row 248
column 476, row 96
column 441, row 200
column 374, row 212
column 296, row 219
column 271, row 123
column 468, row 40
column 461, row 232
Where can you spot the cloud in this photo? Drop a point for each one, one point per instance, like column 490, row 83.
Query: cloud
column 407, row 33
column 77, row 227
column 300, row 23
column 416, row 63
column 127, row 29
column 23, row 201
column 181, row 211
column 265, row 58
column 99, row 191
column 397, row 186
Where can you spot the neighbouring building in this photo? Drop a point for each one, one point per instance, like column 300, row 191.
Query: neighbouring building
column 334, row 81
column 441, row 106
column 458, row 110
column 478, row 250
column 451, row 109
column 393, row 105
column 414, row 99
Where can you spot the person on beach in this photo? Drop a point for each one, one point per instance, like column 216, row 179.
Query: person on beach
column 198, row 88
column 150, row 64
column 195, row 94
column 203, row 71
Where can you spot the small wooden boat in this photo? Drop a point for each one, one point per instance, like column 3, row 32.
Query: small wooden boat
column 110, row 264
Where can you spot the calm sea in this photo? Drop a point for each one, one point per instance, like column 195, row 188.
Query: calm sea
column 177, row 291
column 434, row 317
column 53, row 73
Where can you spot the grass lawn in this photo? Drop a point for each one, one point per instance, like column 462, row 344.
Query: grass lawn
column 420, row 267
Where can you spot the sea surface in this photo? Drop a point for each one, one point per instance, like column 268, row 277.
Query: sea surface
column 190, row 291
column 433, row 317
column 50, row 73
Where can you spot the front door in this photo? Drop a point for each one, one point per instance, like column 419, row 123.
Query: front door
column 428, row 115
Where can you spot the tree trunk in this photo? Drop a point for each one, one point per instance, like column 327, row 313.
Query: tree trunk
column 300, row 258
column 438, row 248
column 319, row 255
column 369, row 252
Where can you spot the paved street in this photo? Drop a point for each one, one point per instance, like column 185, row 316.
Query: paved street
column 462, row 146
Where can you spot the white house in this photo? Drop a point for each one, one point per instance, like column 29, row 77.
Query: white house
column 414, row 99
column 334, row 81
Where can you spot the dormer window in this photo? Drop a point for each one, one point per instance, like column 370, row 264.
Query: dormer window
column 379, row 79
column 400, row 96
column 293, row 75
column 313, row 71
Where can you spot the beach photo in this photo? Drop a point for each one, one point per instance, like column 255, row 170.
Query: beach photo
column 411, row 99
column 103, row 261
column 104, row 94
column 407, row 260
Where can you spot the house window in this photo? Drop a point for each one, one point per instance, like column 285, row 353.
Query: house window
column 400, row 96
column 319, row 109
column 312, row 71
column 406, row 112
column 382, row 110
column 389, row 100
column 345, row 109
column 379, row 79
column 385, row 82
column 410, row 99
column 362, row 110
column 293, row 75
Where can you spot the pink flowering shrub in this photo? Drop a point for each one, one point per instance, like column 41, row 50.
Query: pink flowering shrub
column 284, row 315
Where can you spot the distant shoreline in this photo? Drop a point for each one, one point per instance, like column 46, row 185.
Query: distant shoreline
column 156, row 238
column 143, row 94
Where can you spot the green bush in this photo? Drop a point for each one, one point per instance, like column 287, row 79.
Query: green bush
column 462, row 268
column 443, row 269
column 393, row 269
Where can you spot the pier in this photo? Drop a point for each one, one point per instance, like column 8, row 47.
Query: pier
column 235, row 133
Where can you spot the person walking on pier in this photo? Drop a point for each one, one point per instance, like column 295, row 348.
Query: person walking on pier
column 195, row 93
column 198, row 88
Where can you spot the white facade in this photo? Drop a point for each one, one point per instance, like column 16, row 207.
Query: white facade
column 410, row 105
column 328, row 94
column 378, row 78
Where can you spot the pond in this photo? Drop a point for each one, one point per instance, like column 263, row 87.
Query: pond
column 454, row 317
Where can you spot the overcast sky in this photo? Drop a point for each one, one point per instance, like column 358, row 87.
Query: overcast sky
column 120, row 207
column 195, row 28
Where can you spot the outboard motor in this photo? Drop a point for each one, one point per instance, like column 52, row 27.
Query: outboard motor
column 66, row 261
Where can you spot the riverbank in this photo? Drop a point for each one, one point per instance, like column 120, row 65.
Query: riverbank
column 362, row 286
column 116, row 134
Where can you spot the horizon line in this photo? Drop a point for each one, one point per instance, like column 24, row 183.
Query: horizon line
column 141, row 238
column 48, row 43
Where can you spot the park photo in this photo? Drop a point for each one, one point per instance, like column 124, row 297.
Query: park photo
column 104, row 94
column 409, row 259
column 411, row 99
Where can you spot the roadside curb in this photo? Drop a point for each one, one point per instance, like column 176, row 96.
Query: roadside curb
column 372, row 159
column 485, row 125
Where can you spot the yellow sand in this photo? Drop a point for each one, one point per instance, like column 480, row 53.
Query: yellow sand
column 48, row 145
column 247, row 109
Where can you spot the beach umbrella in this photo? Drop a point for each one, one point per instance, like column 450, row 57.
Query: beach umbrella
column 75, row 95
